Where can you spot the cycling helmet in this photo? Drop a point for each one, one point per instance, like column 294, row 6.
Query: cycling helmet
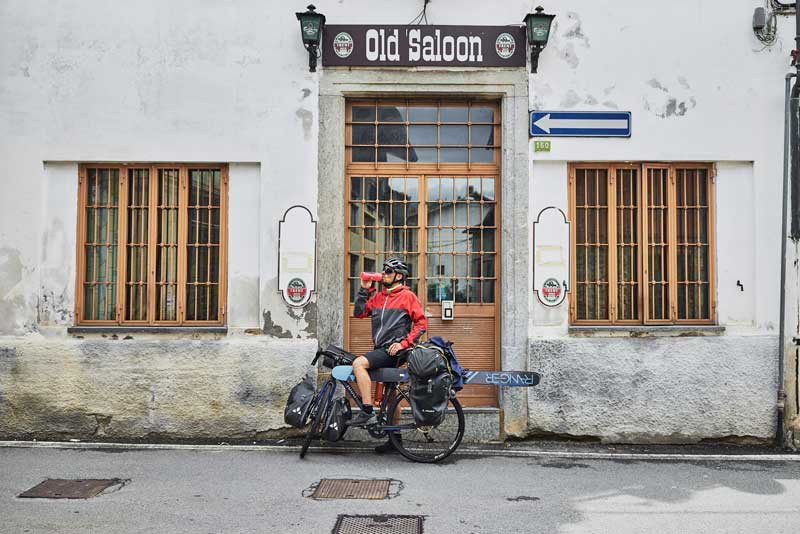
column 397, row 265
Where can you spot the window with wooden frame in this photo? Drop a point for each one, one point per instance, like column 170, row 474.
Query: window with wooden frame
column 642, row 243
column 152, row 244
column 425, row 135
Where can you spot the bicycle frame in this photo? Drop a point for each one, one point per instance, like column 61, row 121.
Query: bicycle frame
column 380, row 428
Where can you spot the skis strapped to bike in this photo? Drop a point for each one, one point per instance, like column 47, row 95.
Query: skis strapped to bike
column 486, row 378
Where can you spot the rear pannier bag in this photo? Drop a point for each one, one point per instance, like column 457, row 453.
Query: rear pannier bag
column 431, row 381
column 336, row 422
column 297, row 406
column 429, row 397
column 426, row 360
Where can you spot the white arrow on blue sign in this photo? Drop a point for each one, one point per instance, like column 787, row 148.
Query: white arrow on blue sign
column 580, row 124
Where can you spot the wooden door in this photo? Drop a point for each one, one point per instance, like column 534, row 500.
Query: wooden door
column 422, row 183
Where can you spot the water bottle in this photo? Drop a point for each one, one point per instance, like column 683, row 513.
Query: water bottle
column 371, row 277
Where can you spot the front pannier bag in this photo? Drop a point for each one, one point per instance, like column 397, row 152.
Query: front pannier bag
column 297, row 406
column 431, row 381
column 336, row 422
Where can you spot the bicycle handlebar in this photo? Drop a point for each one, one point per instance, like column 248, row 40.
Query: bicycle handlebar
column 316, row 357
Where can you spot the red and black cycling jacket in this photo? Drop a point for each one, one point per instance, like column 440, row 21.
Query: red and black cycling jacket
column 397, row 316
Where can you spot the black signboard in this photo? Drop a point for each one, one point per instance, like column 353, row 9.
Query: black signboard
column 423, row 46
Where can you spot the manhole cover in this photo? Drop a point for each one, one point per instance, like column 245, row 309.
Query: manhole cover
column 56, row 488
column 348, row 488
column 378, row 524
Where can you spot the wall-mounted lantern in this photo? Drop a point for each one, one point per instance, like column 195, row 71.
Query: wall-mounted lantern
column 538, row 25
column 311, row 26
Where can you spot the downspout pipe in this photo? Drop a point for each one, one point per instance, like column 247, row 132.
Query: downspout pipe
column 790, row 145
column 794, row 138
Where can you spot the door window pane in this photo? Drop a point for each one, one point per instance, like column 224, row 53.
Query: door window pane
column 363, row 134
column 391, row 113
column 422, row 114
column 453, row 155
column 453, row 114
column 363, row 113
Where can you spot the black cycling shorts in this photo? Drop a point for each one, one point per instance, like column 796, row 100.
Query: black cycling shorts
column 379, row 358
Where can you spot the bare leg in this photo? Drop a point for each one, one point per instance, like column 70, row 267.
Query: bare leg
column 360, row 366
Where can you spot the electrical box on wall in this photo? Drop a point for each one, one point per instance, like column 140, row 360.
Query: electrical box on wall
column 447, row 310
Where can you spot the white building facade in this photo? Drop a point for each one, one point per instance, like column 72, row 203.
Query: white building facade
column 153, row 150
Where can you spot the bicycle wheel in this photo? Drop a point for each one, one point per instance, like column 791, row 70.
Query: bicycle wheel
column 316, row 415
column 425, row 444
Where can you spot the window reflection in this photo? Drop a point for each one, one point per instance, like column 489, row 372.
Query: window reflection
column 383, row 133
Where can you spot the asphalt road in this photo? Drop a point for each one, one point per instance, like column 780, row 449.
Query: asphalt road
column 266, row 491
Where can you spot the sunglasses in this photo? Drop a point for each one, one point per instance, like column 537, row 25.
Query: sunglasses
column 388, row 270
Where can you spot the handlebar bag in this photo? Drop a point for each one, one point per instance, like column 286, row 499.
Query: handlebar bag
column 336, row 422
column 344, row 357
column 296, row 411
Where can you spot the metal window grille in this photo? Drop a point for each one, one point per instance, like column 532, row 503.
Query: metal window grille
column 620, row 210
column 161, row 259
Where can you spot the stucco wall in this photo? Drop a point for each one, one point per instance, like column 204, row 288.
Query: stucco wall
column 203, row 80
column 145, row 387
column 655, row 389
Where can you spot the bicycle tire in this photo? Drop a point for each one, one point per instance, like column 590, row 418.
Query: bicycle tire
column 316, row 415
column 415, row 454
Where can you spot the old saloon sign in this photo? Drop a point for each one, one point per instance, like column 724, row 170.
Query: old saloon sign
column 424, row 46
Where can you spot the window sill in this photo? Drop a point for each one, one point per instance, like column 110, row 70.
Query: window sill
column 647, row 331
column 147, row 330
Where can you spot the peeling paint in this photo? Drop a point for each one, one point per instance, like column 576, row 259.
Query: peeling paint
column 54, row 308
column 12, row 304
column 310, row 314
column 611, row 105
column 568, row 53
column 308, row 119
column 540, row 92
column 306, row 93
column 570, row 100
column 590, row 101
column 272, row 329
column 576, row 31
column 663, row 101
column 655, row 84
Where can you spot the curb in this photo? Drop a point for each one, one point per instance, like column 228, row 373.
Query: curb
column 464, row 451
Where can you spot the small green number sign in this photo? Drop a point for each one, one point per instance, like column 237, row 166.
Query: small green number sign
column 541, row 146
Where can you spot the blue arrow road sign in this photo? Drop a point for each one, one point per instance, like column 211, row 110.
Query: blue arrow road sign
column 580, row 124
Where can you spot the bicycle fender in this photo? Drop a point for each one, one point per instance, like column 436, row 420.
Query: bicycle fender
column 343, row 373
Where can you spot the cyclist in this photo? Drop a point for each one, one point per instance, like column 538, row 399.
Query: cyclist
column 398, row 322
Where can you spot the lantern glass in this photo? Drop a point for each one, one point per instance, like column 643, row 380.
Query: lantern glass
column 309, row 28
column 538, row 27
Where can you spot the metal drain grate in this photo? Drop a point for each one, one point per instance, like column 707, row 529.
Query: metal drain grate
column 378, row 524
column 56, row 488
column 348, row 488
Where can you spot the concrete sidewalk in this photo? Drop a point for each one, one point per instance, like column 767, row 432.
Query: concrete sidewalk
column 233, row 488
column 510, row 449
